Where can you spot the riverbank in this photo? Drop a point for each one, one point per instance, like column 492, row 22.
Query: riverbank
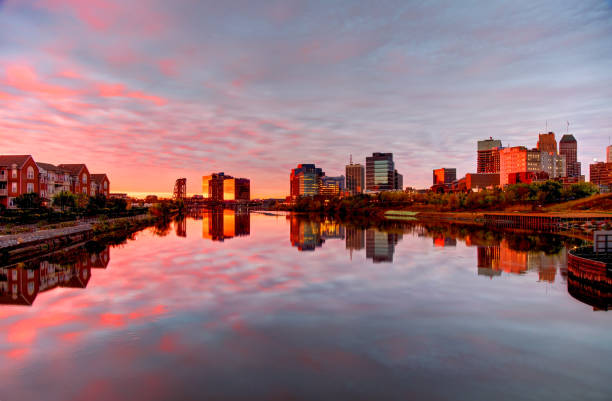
column 14, row 248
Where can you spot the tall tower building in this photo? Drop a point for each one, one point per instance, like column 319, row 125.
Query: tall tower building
column 568, row 147
column 355, row 176
column 380, row 172
column 488, row 156
column 547, row 143
column 609, row 154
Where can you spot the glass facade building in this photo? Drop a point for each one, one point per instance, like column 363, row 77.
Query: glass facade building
column 380, row 172
column 305, row 180
column 220, row 187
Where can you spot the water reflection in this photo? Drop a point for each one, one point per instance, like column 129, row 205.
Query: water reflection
column 219, row 225
column 178, row 315
column 21, row 283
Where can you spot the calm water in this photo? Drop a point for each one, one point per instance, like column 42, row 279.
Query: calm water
column 265, row 307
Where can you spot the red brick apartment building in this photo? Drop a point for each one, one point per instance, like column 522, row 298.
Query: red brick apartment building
column 80, row 180
column 20, row 174
column 100, row 185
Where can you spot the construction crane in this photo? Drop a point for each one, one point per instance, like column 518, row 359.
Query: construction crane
column 180, row 188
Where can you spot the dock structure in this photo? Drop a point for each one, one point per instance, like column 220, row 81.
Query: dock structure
column 589, row 277
column 542, row 221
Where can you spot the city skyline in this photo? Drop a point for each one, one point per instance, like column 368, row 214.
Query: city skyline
column 149, row 91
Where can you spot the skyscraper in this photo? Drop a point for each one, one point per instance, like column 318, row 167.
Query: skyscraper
column 568, row 147
column 547, row 143
column 380, row 172
column 609, row 154
column 398, row 182
column 354, row 178
column 305, row 180
column 488, row 156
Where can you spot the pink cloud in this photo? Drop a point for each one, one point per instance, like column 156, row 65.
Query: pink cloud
column 119, row 90
column 24, row 78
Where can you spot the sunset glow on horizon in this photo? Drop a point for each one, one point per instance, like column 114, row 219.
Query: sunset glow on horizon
column 149, row 91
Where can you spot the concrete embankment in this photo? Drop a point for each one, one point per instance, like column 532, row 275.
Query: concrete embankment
column 21, row 246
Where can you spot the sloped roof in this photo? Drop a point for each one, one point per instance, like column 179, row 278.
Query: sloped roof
column 568, row 138
column 98, row 178
column 9, row 160
column 48, row 166
column 72, row 168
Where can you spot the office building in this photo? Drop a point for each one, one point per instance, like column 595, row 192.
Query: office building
column 380, row 172
column 444, row 176
column 398, row 182
column 609, row 154
column 332, row 186
column 552, row 164
column 355, row 177
column 518, row 159
column 568, row 147
column 488, row 156
column 601, row 174
column 547, row 143
column 220, row 187
column 305, row 180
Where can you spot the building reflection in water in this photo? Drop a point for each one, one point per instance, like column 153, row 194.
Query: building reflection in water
column 20, row 284
column 494, row 259
column 380, row 245
column 222, row 224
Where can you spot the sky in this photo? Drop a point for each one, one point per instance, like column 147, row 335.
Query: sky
column 150, row 90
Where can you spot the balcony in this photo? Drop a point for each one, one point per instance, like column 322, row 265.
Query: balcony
column 3, row 191
column 3, row 175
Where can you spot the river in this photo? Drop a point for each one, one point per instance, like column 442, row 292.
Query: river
column 225, row 306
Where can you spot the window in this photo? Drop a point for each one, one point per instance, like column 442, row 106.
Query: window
column 11, row 202
column 85, row 190
column 105, row 184
column 84, row 179
column 14, row 173
column 14, row 187
column 30, row 173
column 30, row 187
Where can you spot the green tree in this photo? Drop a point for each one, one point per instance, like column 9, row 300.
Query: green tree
column 64, row 199
column 28, row 201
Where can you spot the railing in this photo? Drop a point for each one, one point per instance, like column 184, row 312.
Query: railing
column 3, row 175
column 4, row 192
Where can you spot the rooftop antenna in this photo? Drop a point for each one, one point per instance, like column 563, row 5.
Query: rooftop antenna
column 351, row 159
column 567, row 131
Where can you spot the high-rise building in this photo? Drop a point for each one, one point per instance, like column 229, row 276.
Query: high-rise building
column 332, row 186
column 547, row 143
column 398, row 182
column 305, row 180
column 609, row 154
column 380, row 172
column 220, row 187
column 488, row 156
column 568, row 147
column 554, row 165
column 355, row 178
column 444, row 176
column 601, row 174
column 511, row 160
